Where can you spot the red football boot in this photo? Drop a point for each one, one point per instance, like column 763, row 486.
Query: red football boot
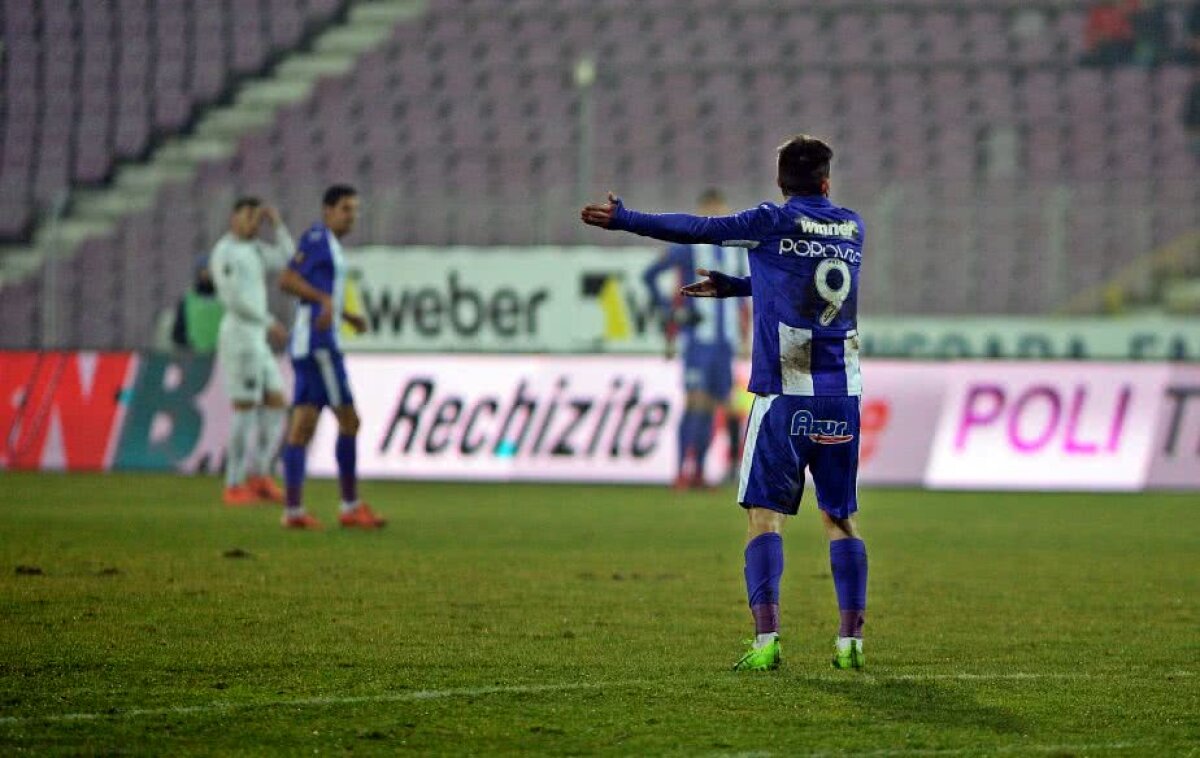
column 303, row 521
column 266, row 489
column 361, row 518
column 239, row 495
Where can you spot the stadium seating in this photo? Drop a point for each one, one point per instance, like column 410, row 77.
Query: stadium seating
column 87, row 84
column 1012, row 176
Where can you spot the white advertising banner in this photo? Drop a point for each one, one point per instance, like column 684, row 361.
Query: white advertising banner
column 1055, row 426
column 565, row 300
column 594, row 418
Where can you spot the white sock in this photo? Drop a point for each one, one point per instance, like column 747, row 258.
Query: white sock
column 843, row 643
column 235, row 453
column 764, row 639
column 271, row 423
column 294, row 511
column 347, row 507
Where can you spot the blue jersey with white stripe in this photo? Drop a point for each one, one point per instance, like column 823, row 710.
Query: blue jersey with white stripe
column 805, row 257
column 319, row 261
column 711, row 322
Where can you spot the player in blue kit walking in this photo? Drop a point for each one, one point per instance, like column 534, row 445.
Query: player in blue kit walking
column 317, row 277
column 805, row 257
column 712, row 336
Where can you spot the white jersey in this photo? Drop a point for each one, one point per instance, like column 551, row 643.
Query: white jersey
column 239, row 269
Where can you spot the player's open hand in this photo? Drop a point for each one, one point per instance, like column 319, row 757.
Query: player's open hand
column 356, row 321
column 600, row 214
column 710, row 286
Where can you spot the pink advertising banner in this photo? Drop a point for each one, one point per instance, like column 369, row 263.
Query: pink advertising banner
column 900, row 401
column 1047, row 426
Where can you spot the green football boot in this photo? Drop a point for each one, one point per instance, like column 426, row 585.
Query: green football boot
column 849, row 657
column 765, row 658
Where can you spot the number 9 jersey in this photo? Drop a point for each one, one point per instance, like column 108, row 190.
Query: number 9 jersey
column 805, row 257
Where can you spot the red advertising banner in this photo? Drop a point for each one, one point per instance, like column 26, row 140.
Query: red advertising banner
column 62, row 411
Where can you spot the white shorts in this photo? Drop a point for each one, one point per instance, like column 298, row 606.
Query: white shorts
column 248, row 368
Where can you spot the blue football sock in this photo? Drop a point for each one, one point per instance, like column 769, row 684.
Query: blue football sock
column 293, row 473
column 733, row 427
column 703, row 437
column 764, row 567
column 848, row 563
column 346, row 453
column 685, row 438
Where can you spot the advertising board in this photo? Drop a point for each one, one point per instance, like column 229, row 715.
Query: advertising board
column 577, row 419
column 968, row 425
column 566, row 300
column 1046, row 426
column 592, row 299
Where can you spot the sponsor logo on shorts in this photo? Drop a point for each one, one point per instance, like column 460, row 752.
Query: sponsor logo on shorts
column 819, row 430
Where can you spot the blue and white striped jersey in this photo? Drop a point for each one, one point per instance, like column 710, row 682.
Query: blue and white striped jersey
column 711, row 322
column 319, row 261
column 805, row 257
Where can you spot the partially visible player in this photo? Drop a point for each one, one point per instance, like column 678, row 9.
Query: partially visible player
column 712, row 335
column 240, row 263
column 317, row 276
column 805, row 257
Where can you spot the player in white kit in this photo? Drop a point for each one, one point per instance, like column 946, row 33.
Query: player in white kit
column 240, row 264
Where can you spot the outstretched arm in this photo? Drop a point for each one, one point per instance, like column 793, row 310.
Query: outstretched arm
column 738, row 230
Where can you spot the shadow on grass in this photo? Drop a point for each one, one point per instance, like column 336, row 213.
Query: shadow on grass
column 921, row 702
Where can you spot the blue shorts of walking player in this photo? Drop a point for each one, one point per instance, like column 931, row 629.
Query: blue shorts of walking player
column 321, row 380
column 788, row 433
column 709, row 369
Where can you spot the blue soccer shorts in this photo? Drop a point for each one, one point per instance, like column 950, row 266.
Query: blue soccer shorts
column 321, row 380
column 787, row 434
column 709, row 369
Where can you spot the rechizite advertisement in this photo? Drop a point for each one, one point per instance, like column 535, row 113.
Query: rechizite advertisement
column 576, row 419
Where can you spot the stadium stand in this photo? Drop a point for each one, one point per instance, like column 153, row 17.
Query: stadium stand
column 88, row 84
column 997, row 174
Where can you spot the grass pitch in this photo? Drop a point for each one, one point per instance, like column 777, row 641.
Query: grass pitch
column 571, row 619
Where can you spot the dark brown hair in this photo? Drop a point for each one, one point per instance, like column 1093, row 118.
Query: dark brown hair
column 803, row 165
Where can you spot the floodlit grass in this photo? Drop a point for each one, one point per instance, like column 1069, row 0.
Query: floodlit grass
column 581, row 619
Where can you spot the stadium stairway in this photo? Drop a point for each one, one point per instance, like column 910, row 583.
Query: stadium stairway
column 89, row 213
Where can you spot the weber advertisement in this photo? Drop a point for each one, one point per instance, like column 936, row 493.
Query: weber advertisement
column 566, row 300
column 593, row 299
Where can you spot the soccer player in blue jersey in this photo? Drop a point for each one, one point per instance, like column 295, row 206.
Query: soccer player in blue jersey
column 712, row 337
column 805, row 256
column 317, row 277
